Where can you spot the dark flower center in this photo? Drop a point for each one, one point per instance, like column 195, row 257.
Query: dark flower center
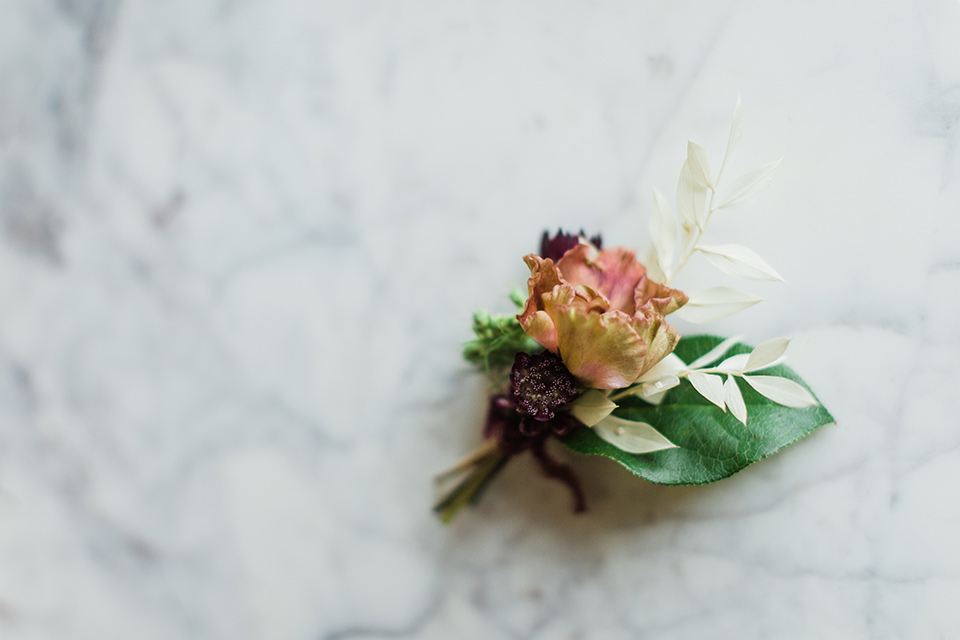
column 540, row 384
column 554, row 248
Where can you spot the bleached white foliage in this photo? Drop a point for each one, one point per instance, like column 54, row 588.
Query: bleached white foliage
column 734, row 400
column 709, row 385
column 676, row 234
column 714, row 354
column 708, row 378
column 747, row 187
column 631, row 436
column 733, row 140
column 699, row 165
column 715, row 382
column 739, row 261
column 592, row 406
column 766, row 354
column 782, row 391
column 716, row 303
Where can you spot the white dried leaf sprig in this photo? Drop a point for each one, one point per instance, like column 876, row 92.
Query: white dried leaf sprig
column 781, row 390
column 676, row 236
column 594, row 408
column 708, row 380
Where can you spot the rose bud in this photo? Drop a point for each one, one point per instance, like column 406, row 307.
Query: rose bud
column 600, row 313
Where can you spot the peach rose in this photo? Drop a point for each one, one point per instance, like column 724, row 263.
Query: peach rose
column 600, row 313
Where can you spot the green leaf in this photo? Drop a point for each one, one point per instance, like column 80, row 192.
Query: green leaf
column 499, row 338
column 711, row 444
column 518, row 297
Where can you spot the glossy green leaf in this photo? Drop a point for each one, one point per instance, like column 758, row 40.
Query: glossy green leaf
column 711, row 444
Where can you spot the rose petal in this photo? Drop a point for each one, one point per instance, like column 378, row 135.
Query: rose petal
column 660, row 338
column 653, row 297
column 602, row 350
column 598, row 310
column 544, row 277
column 539, row 326
column 613, row 272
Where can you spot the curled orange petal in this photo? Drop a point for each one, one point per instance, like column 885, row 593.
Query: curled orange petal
column 600, row 313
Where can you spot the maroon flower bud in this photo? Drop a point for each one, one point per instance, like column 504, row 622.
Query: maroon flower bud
column 554, row 248
column 515, row 433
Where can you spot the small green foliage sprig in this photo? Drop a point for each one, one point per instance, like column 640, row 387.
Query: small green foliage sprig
column 499, row 337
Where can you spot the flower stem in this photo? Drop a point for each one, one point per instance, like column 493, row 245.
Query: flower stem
column 477, row 455
column 486, row 463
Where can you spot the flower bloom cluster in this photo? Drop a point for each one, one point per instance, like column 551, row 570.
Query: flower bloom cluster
column 599, row 320
column 592, row 330
column 600, row 313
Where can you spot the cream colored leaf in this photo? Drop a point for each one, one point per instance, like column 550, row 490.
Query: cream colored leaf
column 747, row 187
column 656, row 398
column 669, row 367
column 714, row 354
column 738, row 261
column 663, row 231
column 699, row 164
column 733, row 363
column 691, row 199
column 656, row 387
column 652, row 262
column 708, row 385
column 591, row 407
column 653, row 391
column 733, row 140
column 671, row 364
column 630, row 436
column 766, row 354
column 688, row 234
column 782, row 391
column 715, row 303
column 734, row 400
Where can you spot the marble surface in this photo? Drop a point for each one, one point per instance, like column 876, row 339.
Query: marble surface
column 240, row 243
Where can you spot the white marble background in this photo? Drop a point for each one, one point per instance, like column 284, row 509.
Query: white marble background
column 240, row 243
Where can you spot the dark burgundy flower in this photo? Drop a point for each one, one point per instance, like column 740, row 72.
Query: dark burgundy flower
column 540, row 384
column 502, row 418
column 515, row 433
column 564, row 424
column 554, row 248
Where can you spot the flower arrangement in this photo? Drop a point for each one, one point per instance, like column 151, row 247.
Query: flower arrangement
column 591, row 361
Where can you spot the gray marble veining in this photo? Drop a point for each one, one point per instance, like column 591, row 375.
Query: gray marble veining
column 240, row 243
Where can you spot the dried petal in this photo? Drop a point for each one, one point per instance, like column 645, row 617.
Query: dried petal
column 601, row 314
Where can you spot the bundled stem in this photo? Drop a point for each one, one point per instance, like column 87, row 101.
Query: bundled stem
column 480, row 467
